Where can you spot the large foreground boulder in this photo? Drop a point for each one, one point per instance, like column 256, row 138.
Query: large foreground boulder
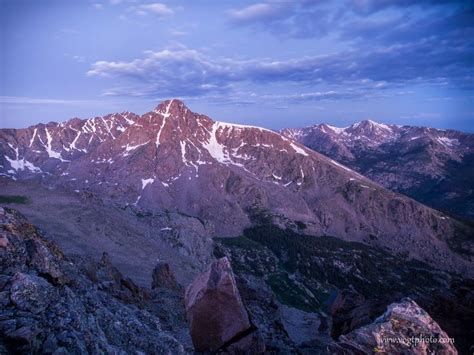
column 217, row 317
column 405, row 328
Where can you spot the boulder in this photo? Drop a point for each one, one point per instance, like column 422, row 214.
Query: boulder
column 214, row 308
column 31, row 293
column 405, row 328
column 250, row 343
column 44, row 261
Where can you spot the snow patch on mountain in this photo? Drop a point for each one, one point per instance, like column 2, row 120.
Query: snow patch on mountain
column 146, row 182
column 49, row 149
column 21, row 164
column 129, row 147
column 33, row 137
column 215, row 149
column 448, row 141
column 299, row 150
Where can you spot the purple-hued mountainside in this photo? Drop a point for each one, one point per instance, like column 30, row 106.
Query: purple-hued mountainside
column 433, row 166
column 231, row 177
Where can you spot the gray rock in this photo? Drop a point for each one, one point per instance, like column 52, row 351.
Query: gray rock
column 50, row 344
column 31, row 293
column 404, row 328
column 251, row 343
column 41, row 257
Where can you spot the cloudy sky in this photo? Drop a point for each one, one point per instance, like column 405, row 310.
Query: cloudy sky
column 271, row 63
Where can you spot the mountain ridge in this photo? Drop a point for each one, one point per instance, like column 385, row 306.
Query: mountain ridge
column 430, row 165
column 229, row 175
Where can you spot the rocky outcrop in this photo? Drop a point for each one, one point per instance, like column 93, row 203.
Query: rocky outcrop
column 217, row 317
column 163, row 277
column 404, row 328
column 55, row 304
column 108, row 278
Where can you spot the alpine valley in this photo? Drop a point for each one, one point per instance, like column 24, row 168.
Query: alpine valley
column 190, row 234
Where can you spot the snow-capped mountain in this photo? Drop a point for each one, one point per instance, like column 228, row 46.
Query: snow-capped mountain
column 433, row 166
column 228, row 175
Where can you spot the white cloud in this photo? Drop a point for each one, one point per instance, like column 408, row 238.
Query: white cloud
column 177, row 32
column 23, row 100
column 187, row 72
column 255, row 12
column 159, row 9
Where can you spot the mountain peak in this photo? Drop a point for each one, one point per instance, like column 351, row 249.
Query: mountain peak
column 171, row 107
column 368, row 126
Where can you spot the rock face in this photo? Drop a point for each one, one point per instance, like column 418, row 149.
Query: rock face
column 404, row 328
column 54, row 304
column 433, row 166
column 229, row 175
column 217, row 317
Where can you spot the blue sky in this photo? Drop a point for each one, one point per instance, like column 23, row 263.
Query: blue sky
column 270, row 63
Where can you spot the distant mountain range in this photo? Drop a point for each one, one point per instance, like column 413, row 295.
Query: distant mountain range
column 433, row 166
column 233, row 176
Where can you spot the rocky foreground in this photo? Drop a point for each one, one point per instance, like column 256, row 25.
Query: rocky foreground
column 56, row 304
